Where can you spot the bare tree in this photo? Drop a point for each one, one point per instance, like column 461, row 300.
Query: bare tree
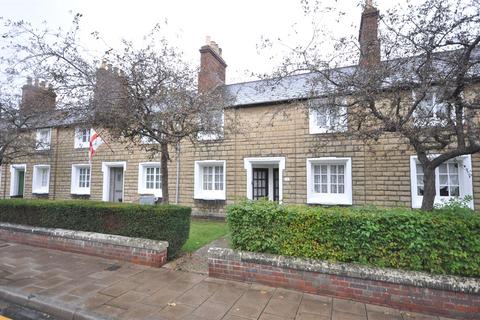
column 424, row 90
column 57, row 57
column 153, row 94
column 21, row 116
column 14, row 142
column 145, row 96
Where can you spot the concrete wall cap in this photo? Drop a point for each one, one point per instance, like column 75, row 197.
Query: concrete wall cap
column 411, row 278
column 89, row 236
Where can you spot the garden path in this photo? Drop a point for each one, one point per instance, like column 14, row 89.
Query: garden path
column 197, row 261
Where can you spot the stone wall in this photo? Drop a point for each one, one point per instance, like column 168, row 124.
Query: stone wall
column 140, row 251
column 414, row 291
column 380, row 169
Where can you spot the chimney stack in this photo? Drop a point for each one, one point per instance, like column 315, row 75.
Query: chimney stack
column 110, row 88
column 368, row 36
column 212, row 67
column 37, row 97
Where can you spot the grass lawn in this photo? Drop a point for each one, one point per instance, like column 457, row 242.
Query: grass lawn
column 203, row 232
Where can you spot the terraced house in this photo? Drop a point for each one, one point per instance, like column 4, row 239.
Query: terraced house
column 281, row 152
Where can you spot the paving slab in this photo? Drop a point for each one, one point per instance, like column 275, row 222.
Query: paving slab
column 348, row 306
column 175, row 311
column 74, row 286
column 282, row 307
column 319, row 307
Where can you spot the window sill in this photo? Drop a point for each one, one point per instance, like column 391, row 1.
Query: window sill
column 80, row 193
column 326, row 132
column 328, row 199
column 81, row 145
column 210, row 138
column 207, row 196
column 439, row 201
column 37, row 192
column 155, row 193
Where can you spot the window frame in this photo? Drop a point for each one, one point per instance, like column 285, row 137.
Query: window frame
column 37, row 188
column 40, row 145
column 13, row 178
column 435, row 107
column 205, row 136
column 147, row 140
column 142, row 179
column 313, row 113
column 330, row 198
column 465, row 181
column 75, row 180
column 199, row 192
column 78, row 143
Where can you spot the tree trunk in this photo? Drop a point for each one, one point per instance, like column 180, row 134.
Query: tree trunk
column 429, row 189
column 164, row 170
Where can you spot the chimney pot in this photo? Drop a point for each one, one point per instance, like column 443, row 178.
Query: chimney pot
column 36, row 82
column 29, row 81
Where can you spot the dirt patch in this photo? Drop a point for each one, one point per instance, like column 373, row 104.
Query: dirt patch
column 197, row 261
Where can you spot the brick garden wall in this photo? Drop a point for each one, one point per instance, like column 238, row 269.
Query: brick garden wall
column 140, row 251
column 414, row 291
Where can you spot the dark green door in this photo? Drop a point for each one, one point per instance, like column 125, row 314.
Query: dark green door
column 21, row 183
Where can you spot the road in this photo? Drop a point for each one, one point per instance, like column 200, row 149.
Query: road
column 15, row 312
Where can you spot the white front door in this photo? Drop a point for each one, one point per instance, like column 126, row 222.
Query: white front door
column 113, row 181
column 116, row 184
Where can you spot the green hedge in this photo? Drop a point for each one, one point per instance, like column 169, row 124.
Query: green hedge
column 161, row 222
column 441, row 242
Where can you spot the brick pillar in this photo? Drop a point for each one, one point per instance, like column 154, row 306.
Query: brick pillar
column 368, row 36
column 212, row 67
column 37, row 97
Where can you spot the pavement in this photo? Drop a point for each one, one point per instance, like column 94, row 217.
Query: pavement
column 73, row 286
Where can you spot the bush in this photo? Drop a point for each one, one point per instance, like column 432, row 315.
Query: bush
column 161, row 222
column 441, row 242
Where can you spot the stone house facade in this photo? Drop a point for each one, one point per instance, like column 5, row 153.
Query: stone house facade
column 280, row 151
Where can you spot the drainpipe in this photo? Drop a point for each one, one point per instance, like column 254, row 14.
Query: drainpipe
column 177, row 180
column 55, row 166
column 4, row 180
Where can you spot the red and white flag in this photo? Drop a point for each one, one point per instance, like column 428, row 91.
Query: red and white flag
column 95, row 142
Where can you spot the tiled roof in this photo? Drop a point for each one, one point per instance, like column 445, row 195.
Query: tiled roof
column 285, row 89
column 58, row 118
column 308, row 85
column 274, row 90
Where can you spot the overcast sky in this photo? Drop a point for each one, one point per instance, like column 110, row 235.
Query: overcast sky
column 237, row 26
